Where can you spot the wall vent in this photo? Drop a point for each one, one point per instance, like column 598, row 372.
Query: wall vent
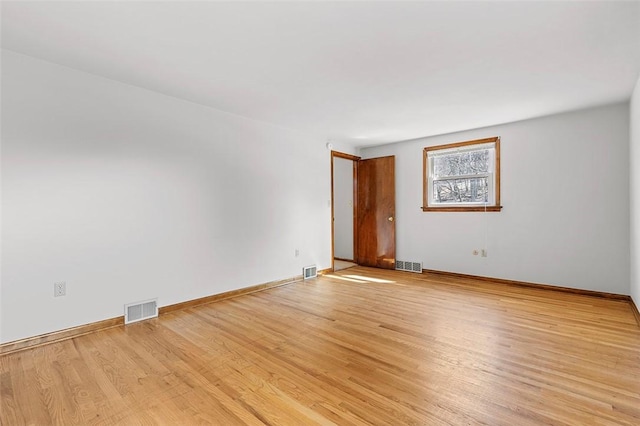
column 402, row 265
column 309, row 272
column 140, row 311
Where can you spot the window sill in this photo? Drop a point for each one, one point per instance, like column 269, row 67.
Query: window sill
column 463, row 209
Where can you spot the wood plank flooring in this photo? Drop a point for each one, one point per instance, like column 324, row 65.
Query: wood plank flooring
column 357, row 347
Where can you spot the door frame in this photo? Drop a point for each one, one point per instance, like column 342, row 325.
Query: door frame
column 354, row 159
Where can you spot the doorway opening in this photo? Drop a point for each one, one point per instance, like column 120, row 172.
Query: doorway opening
column 344, row 174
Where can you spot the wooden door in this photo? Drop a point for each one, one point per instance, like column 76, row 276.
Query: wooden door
column 376, row 213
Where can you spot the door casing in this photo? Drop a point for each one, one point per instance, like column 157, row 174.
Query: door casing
column 354, row 159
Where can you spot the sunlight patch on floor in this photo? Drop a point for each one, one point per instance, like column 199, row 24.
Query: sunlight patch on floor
column 338, row 277
column 373, row 280
column 359, row 279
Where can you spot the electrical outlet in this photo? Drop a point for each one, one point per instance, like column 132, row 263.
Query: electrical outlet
column 59, row 289
column 483, row 252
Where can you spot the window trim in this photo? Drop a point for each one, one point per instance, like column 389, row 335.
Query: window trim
column 495, row 207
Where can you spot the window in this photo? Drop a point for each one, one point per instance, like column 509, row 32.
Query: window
column 463, row 176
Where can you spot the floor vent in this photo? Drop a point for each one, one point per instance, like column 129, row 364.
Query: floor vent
column 309, row 272
column 401, row 265
column 140, row 311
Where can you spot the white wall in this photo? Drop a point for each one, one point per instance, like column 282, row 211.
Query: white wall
column 634, row 138
column 1, row 239
column 343, row 208
column 127, row 194
column 565, row 222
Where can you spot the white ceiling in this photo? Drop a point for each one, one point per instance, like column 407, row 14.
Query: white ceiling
column 365, row 72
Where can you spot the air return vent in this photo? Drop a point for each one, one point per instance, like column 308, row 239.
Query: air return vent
column 402, row 265
column 309, row 272
column 140, row 311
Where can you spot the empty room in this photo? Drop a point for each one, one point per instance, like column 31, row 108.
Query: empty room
column 325, row 212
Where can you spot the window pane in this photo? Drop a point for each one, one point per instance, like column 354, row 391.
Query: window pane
column 462, row 163
column 470, row 190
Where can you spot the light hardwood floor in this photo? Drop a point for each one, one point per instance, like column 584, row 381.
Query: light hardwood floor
column 339, row 264
column 361, row 346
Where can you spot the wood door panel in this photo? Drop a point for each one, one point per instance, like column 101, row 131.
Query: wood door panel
column 376, row 234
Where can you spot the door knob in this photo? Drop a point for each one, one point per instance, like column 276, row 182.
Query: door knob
column 390, row 219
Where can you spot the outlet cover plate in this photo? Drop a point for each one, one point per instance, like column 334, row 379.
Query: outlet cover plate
column 59, row 289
